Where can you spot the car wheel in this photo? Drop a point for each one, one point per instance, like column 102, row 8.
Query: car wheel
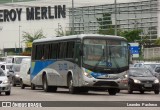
column 22, row 85
column 112, row 91
column 13, row 82
column 33, row 87
column 118, row 90
column 142, row 92
column 8, row 92
column 130, row 91
column 156, row 91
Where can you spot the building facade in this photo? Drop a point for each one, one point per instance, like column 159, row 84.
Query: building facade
column 130, row 15
column 54, row 16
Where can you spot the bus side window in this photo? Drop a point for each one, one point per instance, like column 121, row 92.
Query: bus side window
column 77, row 56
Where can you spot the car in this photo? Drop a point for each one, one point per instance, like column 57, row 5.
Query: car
column 141, row 79
column 5, row 67
column 146, row 64
column 14, row 74
column 122, row 83
column 15, row 59
column 5, row 85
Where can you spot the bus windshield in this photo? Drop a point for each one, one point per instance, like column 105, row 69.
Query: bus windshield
column 105, row 53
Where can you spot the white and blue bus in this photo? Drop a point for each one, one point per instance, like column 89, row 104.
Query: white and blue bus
column 79, row 62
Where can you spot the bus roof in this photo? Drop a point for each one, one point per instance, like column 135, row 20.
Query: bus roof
column 80, row 36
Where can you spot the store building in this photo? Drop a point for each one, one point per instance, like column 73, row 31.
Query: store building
column 53, row 16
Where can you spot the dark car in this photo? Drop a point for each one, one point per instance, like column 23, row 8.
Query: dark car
column 14, row 74
column 141, row 79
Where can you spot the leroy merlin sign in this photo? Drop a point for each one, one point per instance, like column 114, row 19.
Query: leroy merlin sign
column 33, row 13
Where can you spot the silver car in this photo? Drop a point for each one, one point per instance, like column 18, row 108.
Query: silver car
column 5, row 85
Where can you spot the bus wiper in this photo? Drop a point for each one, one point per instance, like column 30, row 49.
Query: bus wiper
column 115, row 61
column 99, row 61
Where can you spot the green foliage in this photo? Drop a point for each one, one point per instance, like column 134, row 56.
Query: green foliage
column 157, row 42
column 131, row 35
column 27, row 37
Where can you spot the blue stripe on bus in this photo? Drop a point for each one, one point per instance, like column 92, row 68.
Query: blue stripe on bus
column 38, row 66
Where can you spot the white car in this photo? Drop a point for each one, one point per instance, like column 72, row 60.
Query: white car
column 6, row 67
column 146, row 64
column 5, row 85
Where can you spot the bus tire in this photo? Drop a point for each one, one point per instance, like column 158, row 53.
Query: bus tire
column 112, row 91
column 45, row 84
column 33, row 86
column 53, row 88
column 72, row 89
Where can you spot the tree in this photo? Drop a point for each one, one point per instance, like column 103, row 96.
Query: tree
column 157, row 42
column 28, row 37
column 132, row 35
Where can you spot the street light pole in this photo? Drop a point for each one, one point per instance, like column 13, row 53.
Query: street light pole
column 72, row 16
column 19, row 39
column 115, row 6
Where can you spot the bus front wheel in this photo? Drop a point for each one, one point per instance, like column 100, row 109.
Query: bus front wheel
column 72, row 89
column 46, row 87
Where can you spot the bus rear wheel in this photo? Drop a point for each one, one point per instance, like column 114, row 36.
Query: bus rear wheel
column 45, row 84
column 46, row 87
column 112, row 91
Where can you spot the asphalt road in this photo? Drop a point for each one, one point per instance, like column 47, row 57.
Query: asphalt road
column 18, row 94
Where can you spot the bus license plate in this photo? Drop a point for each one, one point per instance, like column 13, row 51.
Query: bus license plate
column 148, row 85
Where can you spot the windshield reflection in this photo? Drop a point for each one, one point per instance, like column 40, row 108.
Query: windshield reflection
column 105, row 53
column 140, row 73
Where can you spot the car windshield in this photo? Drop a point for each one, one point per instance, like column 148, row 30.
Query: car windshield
column 8, row 67
column 1, row 73
column 105, row 53
column 16, row 68
column 140, row 73
column 152, row 65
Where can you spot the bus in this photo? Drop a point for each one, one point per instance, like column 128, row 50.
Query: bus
column 79, row 62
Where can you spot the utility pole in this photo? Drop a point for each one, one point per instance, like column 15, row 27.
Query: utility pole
column 115, row 4
column 19, row 39
column 72, row 17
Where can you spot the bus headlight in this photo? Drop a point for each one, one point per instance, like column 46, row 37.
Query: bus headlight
column 87, row 74
column 136, row 81
column 156, row 81
column 17, row 75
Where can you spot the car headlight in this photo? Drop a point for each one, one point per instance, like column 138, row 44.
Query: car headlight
column 156, row 81
column 17, row 75
column 136, row 81
column 5, row 82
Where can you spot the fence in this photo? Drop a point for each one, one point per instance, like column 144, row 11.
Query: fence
column 152, row 53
